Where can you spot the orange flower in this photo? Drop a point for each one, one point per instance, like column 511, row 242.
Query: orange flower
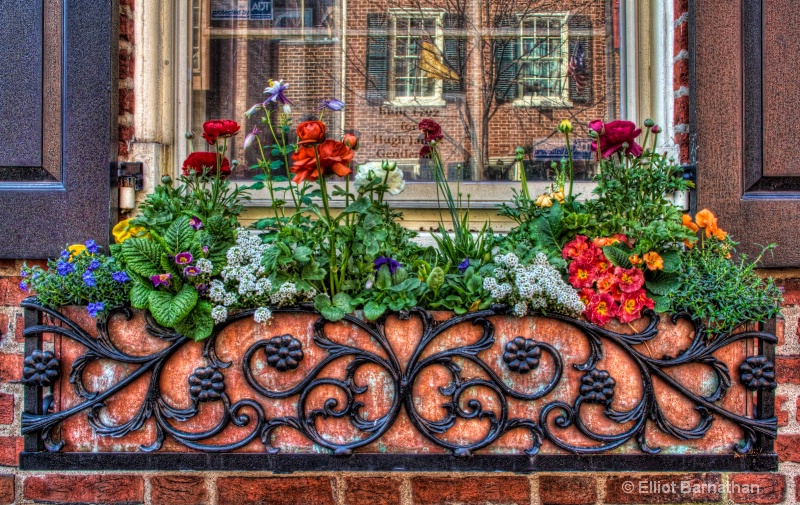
column 687, row 222
column 654, row 261
column 705, row 218
column 635, row 260
column 334, row 158
column 311, row 132
column 688, row 243
column 719, row 234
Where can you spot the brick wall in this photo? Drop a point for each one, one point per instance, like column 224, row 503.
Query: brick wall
column 680, row 78
column 183, row 488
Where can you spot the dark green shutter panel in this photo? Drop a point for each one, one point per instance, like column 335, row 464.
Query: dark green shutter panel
column 455, row 54
column 506, row 58
column 579, row 59
column 377, row 58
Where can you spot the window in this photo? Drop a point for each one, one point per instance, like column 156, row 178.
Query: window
column 416, row 68
column 494, row 82
column 543, row 60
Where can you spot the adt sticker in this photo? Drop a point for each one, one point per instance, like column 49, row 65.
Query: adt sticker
column 261, row 9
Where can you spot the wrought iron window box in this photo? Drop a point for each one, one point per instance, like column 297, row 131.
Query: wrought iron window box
column 415, row 391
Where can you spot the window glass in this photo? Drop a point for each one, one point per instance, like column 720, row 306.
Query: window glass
column 496, row 74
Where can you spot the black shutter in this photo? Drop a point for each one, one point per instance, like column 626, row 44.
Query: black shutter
column 377, row 58
column 455, row 54
column 58, row 103
column 580, row 39
column 506, row 58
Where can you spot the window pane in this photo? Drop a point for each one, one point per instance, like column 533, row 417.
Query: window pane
column 530, row 65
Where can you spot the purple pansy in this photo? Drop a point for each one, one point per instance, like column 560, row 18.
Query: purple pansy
column 463, row 265
column 332, row 104
column 391, row 263
column 121, row 277
column 161, row 280
column 184, row 258
column 275, row 93
column 95, row 308
column 92, row 247
column 196, row 223
column 88, row 279
column 64, row 267
column 191, row 271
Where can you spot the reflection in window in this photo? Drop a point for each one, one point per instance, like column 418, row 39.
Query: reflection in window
column 495, row 74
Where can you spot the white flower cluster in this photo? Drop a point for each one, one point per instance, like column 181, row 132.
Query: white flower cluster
column 531, row 287
column 373, row 170
column 245, row 282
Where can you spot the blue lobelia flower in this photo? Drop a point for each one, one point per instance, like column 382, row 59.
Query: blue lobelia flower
column 95, row 308
column 94, row 265
column 121, row 276
column 92, row 247
column 88, row 279
column 64, row 267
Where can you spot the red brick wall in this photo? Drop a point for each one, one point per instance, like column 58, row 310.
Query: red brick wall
column 680, row 78
column 125, row 131
column 181, row 488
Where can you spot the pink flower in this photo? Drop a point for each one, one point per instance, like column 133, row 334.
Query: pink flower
column 601, row 309
column 613, row 135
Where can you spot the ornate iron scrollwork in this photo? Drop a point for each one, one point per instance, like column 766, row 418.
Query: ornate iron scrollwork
column 285, row 353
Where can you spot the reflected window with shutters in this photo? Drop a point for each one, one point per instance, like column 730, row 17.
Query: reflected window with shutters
column 496, row 74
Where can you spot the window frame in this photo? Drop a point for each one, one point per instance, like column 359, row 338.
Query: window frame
column 646, row 54
column 437, row 100
column 553, row 101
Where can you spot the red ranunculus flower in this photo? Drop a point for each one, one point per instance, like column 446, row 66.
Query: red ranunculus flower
column 334, row 158
column 425, row 152
column 351, row 141
column 431, row 130
column 205, row 162
column 612, row 135
column 216, row 128
column 311, row 132
column 601, row 309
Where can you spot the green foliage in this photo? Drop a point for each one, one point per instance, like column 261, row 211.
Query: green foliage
column 723, row 292
column 391, row 291
column 78, row 279
column 462, row 292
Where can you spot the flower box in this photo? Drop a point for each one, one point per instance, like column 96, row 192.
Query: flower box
column 413, row 391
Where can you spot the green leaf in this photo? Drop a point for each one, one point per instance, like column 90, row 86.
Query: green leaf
column 360, row 206
column 139, row 295
column 330, row 312
column 256, row 186
column 259, row 177
column 548, row 228
column 672, row 261
column 343, row 301
column 142, row 256
column 169, row 309
column 664, row 284
column 275, row 164
column 199, row 324
column 179, row 235
column 662, row 303
column 618, row 255
column 384, row 280
column 373, row 310
column 302, row 254
column 312, row 271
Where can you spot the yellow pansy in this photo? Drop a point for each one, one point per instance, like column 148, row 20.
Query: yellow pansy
column 123, row 231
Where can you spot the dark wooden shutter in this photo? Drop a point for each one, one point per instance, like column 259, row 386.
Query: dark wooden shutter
column 455, row 54
column 58, row 104
column 377, row 58
column 506, row 57
column 579, row 30
column 746, row 99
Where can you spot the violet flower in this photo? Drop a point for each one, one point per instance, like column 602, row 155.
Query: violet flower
column 184, row 258
column 196, row 223
column 121, row 277
column 383, row 260
column 464, row 265
column 191, row 271
column 92, row 247
column 251, row 137
column 332, row 104
column 275, row 92
column 95, row 308
column 161, row 280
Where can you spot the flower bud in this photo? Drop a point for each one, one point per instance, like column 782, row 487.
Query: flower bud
column 388, row 165
column 189, row 135
column 166, row 180
column 520, row 153
column 656, row 129
column 649, row 123
column 565, row 126
column 351, row 141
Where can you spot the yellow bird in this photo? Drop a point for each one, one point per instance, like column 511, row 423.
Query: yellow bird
column 431, row 63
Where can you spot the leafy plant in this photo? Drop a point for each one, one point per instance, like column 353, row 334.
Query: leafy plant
column 393, row 291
